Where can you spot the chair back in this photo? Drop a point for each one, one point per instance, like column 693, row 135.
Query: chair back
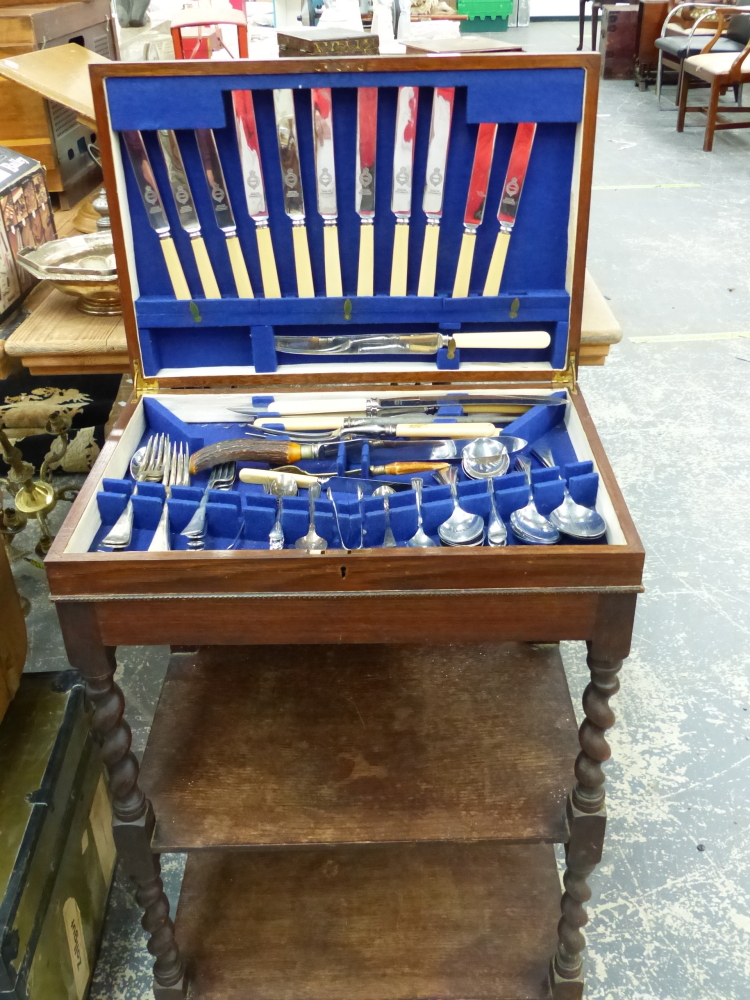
column 739, row 29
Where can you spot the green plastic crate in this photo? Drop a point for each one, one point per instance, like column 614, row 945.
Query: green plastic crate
column 476, row 24
column 485, row 15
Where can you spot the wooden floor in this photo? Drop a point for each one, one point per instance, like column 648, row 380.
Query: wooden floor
column 455, row 921
column 316, row 744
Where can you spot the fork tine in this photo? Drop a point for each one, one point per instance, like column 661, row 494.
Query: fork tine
column 185, row 465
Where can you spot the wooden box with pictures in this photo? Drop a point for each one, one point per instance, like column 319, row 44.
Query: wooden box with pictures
column 359, row 492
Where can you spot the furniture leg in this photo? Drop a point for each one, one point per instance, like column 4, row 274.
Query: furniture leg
column 712, row 112
column 133, row 819
column 581, row 22
column 683, row 86
column 594, row 25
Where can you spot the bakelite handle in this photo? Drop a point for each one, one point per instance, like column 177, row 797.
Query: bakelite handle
column 405, row 468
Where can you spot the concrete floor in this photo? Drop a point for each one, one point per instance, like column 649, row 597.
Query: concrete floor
column 670, row 914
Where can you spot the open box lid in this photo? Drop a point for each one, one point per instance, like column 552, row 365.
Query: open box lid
column 197, row 340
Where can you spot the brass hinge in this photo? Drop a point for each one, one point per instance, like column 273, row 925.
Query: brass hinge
column 143, row 385
column 567, row 377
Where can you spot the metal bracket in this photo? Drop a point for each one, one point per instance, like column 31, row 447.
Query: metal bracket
column 143, row 385
column 566, row 379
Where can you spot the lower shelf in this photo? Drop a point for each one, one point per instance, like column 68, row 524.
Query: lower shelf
column 371, row 922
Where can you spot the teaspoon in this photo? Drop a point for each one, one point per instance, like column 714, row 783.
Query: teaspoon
column 497, row 533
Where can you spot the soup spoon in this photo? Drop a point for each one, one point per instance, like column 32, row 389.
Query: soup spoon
column 527, row 523
column 570, row 517
column 461, row 528
column 420, row 539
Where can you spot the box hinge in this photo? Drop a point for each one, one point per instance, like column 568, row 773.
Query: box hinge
column 143, row 385
column 566, row 379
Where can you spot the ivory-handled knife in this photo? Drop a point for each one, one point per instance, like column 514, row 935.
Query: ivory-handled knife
column 291, row 176
column 434, row 185
column 255, row 190
column 506, row 214
column 462, row 428
column 367, row 140
column 185, row 205
column 476, row 201
column 157, row 217
column 403, row 168
column 413, row 343
column 325, row 183
column 223, row 209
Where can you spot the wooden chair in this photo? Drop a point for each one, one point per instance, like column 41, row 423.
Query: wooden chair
column 721, row 71
column 203, row 15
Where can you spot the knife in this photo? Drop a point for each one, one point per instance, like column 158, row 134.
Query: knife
column 255, row 190
column 291, row 176
column 337, row 421
column 374, row 406
column 413, row 343
column 506, row 213
column 476, row 201
column 185, row 205
column 223, row 208
column 325, row 183
column 339, row 484
column 367, row 139
column 460, row 429
column 285, row 452
column 403, row 167
column 434, row 187
column 157, row 217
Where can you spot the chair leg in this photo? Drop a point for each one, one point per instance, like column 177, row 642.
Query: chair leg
column 594, row 25
column 581, row 23
column 683, row 87
column 713, row 110
column 659, row 74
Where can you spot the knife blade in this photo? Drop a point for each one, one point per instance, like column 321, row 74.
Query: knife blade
column 403, row 168
column 434, row 187
column 291, row 176
column 367, row 139
column 413, row 343
column 508, row 209
column 375, row 406
column 325, row 182
column 255, row 190
column 185, row 205
column 222, row 208
column 339, row 484
column 476, row 201
column 157, row 217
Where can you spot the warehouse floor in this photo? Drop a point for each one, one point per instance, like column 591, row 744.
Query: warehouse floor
column 670, row 914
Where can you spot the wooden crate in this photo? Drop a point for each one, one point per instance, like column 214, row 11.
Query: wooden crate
column 617, row 44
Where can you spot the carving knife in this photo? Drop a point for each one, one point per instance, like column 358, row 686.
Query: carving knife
column 223, row 208
column 189, row 221
column 434, row 186
column 294, row 203
column 286, row 452
column 413, row 343
column 376, row 406
column 325, row 183
column 476, row 201
column 157, row 217
column 506, row 214
column 403, row 168
column 340, row 421
column 367, row 138
column 255, row 190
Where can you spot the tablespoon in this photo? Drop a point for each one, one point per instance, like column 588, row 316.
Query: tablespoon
column 461, row 528
column 420, row 539
column 572, row 518
column 497, row 533
column 312, row 542
column 389, row 539
column 527, row 523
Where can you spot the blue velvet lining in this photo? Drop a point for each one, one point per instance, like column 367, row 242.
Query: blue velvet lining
column 533, row 294
column 246, row 507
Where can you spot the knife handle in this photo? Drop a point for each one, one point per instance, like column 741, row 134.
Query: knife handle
column 400, row 261
column 267, row 476
column 441, row 430
column 429, row 259
column 302, row 265
column 406, row 468
column 244, row 450
column 268, row 271
column 332, row 262
column 239, row 268
column 366, row 259
column 524, row 340
column 497, row 264
column 208, row 279
column 176, row 274
column 463, row 268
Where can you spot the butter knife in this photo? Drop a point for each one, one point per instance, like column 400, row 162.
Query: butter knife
column 255, row 190
column 291, row 176
column 403, row 168
column 223, row 209
column 155, row 213
column 413, row 343
column 511, row 196
column 476, row 200
column 325, row 183
column 434, row 187
column 185, row 205
column 367, row 139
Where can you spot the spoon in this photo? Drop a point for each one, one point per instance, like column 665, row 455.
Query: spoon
column 570, row 517
column 276, row 537
column 312, row 542
column 329, row 494
column 389, row 539
column 461, row 528
column 527, row 523
column 360, row 494
column 484, row 458
column 497, row 533
column 420, row 539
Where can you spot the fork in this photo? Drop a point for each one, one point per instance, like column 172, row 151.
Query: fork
column 175, row 474
column 150, row 470
column 221, row 478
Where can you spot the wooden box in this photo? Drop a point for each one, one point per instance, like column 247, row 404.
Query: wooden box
column 327, row 42
column 618, row 39
column 428, row 626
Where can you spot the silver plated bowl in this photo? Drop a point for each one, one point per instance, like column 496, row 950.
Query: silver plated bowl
column 83, row 266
